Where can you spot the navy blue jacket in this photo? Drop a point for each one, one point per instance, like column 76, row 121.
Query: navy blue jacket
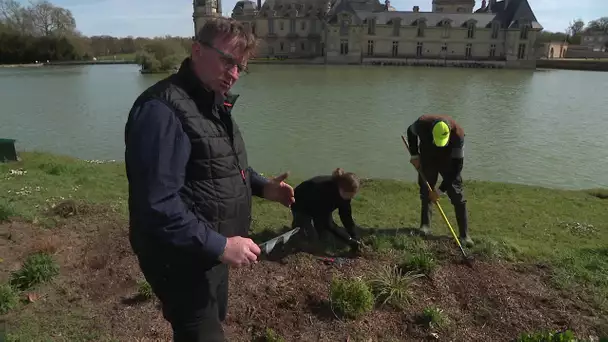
column 156, row 159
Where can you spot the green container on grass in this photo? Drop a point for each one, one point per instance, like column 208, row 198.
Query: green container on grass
column 8, row 152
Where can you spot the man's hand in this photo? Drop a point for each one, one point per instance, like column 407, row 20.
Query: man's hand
column 279, row 191
column 240, row 251
column 415, row 162
column 433, row 196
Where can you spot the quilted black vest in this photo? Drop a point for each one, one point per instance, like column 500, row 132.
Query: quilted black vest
column 217, row 187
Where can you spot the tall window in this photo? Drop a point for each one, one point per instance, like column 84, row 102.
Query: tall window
column 396, row 27
column 469, row 50
column 523, row 34
column 445, row 33
column 370, row 47
column 493, row 50
column 344, row 27
column 371, row 26
column 521, row 51
column 344, row 46
column 495, row 28
column 419, row 47
column 420, row 29
column 395, row 49
column 292, row 26
column 270, row 25
column 470, row 30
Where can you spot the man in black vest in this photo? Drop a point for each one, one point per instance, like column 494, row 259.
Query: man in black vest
column 190, row 184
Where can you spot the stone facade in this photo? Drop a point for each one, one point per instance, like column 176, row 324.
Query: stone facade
column 499, row 33
column 553, row 50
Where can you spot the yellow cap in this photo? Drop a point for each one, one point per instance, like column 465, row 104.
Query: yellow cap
column 441, row 133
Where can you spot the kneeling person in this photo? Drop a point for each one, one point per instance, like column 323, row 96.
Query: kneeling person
column 318, row 197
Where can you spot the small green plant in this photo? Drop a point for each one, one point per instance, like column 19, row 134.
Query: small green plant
column 433, row 318
column 6, row 210
column 37, row 269
column 351, row 297
column 8, row 298
column 421, row 262
column 144, row 290
column 392, row 286
column 546, row 336
column 270, row 336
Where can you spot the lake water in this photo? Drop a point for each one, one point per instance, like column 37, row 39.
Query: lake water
column 534, row 127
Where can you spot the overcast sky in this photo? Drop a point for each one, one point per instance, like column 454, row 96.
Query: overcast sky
column 149, row 18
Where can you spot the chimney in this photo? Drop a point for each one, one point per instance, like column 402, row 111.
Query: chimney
column 259, row 5
column 483, row 4
column 416, row 9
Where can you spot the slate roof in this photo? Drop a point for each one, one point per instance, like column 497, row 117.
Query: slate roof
column 508, row 16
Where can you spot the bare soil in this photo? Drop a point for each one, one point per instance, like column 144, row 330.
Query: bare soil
column 99, row 274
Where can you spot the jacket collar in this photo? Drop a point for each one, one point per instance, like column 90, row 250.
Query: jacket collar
column 197, row 90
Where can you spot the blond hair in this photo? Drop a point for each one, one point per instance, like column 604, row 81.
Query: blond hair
column 230, row 29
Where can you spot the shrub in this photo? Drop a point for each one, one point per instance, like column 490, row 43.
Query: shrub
column 351, row 298
column 421, row 262
column 391, row 286
column 37, row 269
column 433, row 317
column 8, row 298
column 144, row 290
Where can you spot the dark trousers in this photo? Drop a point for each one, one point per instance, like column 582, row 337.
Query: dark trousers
column 453, row 189
column 194, row 299
column 316, row 226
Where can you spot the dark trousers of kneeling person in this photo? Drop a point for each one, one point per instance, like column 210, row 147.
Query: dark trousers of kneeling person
column 453, row 188
column 315, row 227
column 194, row 299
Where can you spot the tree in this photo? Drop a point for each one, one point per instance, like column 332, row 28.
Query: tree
column 48, row 19
column 161, row 54
column 598, row 25
column 576, row 27
column 15, row 17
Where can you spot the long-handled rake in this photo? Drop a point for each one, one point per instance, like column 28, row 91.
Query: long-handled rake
column 467, row 259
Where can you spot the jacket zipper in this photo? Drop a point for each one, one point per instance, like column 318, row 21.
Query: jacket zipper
column 238, row 162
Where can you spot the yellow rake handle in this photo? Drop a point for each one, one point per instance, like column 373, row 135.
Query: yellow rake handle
column 445, row 218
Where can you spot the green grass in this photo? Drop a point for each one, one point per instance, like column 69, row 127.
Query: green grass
column 564, row 229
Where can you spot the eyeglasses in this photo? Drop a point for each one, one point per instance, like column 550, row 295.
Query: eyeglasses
column 228, row 60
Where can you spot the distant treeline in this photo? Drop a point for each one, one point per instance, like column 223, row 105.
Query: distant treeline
column 43, row 31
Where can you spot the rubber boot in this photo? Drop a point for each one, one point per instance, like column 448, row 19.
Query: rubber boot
column 425, row 218
column 463, row 224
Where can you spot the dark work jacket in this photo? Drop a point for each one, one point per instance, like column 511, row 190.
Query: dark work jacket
column 190, row 184
column 448, row 159
column 319, row 197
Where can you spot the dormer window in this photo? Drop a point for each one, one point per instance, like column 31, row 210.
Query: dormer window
column 446, row 27
column 470, row 29
column 371, row 26
column 523, row 34
column 495, row 29
column 420, row 26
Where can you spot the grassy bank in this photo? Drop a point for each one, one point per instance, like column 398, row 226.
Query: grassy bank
column 538, row 239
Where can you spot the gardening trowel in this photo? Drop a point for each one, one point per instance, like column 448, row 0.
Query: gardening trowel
column 269, row 245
